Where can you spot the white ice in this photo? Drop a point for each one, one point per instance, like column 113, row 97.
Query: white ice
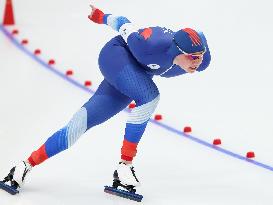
column 231, row 100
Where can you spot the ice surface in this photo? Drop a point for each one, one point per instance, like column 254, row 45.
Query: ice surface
column 231, row 100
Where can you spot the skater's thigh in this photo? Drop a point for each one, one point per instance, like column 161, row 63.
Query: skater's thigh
column 112, row 59
column 122, row 71
column 105, row 103
column 134, row 82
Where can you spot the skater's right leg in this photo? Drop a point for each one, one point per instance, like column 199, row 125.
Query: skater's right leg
column 105, row 103
column 94, row 112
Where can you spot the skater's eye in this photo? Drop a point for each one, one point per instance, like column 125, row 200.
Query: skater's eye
column 193, row 57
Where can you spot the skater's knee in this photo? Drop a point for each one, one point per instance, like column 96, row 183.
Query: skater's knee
column 143, row 112
column 76, row 126
column 150, row 97
column 134, row 82
column 138, row 120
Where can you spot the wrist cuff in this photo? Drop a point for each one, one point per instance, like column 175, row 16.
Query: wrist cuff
column 97, row 16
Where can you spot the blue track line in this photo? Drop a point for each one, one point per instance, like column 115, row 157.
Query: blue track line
column 173, row 130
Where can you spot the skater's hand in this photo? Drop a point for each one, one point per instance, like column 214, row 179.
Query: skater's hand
column 96, row 15
column 92, row 12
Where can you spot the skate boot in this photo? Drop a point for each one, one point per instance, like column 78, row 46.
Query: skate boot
column 125, row 177
column 16, row 177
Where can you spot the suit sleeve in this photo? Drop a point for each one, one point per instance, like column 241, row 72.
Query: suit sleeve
column 138, row 40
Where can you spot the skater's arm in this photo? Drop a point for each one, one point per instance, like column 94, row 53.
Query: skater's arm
column 139, row 40
column 99, row 17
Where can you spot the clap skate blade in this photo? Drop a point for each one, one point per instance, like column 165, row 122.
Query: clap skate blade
column 129, row 192
column 12, row 188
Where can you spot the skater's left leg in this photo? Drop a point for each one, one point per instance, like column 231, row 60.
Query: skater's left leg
column 135, row 127
column 122, row 71
column 134, row 82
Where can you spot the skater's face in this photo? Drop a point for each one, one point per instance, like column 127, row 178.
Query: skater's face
column 189, row 62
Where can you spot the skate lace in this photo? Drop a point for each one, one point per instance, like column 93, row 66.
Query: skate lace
column 133, row 172
column 27, row 169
